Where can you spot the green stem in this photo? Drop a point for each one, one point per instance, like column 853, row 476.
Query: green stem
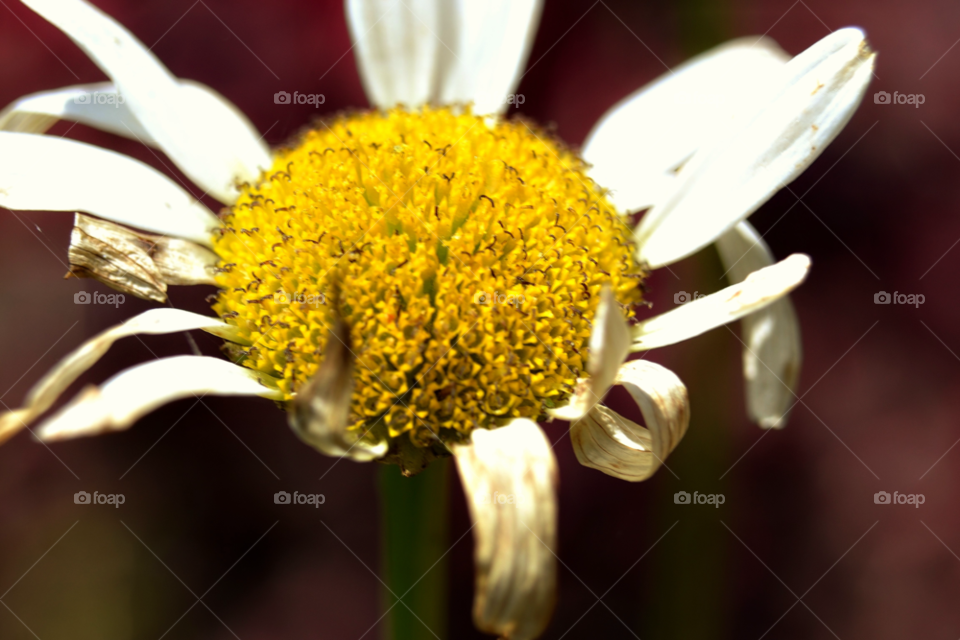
column 691, row 571
column 414, row 526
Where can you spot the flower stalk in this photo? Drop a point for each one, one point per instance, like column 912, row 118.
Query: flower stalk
column 414, row 523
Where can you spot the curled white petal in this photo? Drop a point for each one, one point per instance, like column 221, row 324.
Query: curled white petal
column 131, row 394
column 48, row 173
column 638, row 145
column 609, row 347
column 758, row 290
column 510, row 477
column 486, row 44
column 621, row 448
column 397, row 47
column 204, row 134
column 156, row 321
column 814, row 98
column 772, row 351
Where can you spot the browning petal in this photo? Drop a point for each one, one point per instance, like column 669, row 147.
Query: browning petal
column 134, row 262
column 510, row 478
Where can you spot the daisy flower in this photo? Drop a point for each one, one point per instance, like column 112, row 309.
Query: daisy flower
column 427, row 278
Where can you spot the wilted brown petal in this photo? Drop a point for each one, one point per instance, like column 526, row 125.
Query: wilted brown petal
column 510, row 478
column 135, row 262
column 621, row 448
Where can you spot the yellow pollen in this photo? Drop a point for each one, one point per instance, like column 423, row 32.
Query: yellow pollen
column 466, row 257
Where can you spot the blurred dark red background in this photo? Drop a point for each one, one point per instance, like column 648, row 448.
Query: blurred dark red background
column 880, row 388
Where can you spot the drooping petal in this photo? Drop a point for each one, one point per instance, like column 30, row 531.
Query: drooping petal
column 487, row 46
column 131, row 394
column 772, row 352
column 758, row 290
column 621, row 448
column 204, row 134
column 509, row 475
column 397, row 47
column 49, row 173
column 816, row 95
column 137, row 263
column 95, row 105
column 156, row 321
column 638, row 145
column 321, row 409
column 609, row 347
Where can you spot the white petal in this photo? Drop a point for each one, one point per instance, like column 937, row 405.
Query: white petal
column 203, row 133
column 510, row 477
column 760, row 289
column 621, row 448
column 321, row 409
column 156, row 321
column 772, row 355
column 396, row 46
column 48, row 173
column 95, row 105
column 638, row 145
column 816, row 95
column 609, row 347
column 487, row 46
column 133, row 393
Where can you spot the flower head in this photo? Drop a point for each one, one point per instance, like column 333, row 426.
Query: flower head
column 466, row 258
column 429, row 279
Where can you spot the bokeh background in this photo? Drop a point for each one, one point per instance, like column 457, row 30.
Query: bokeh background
column 799, row 549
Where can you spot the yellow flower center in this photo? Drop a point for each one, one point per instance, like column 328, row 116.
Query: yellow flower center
column 466, row 257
